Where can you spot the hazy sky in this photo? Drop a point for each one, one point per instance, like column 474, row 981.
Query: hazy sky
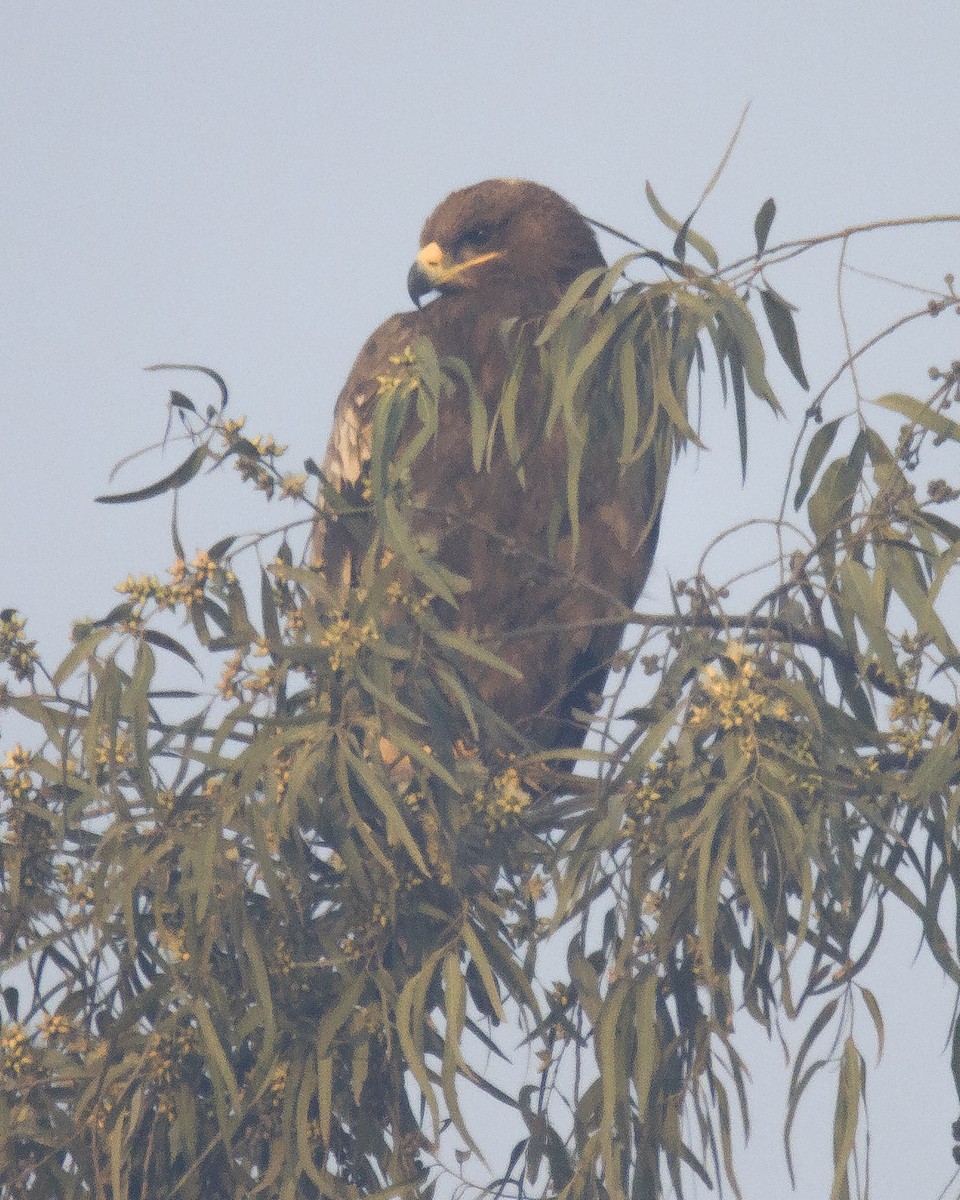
column 242, row 185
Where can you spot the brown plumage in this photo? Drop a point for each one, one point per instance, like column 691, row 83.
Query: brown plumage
column 498, row 250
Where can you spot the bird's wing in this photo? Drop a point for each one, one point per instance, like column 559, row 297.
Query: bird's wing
column 348, row 450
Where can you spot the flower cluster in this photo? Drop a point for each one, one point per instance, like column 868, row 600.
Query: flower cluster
column 188, row 582
column 646, row 810
column 808, row 776
column 737, row 699
column 191, row 581
column 255, row 459
column 293, row 487
column 239, row 681
column 15, row 778
column 404, row 378
column 16, row 1054
column 55, row 1027
column 141, row 589
column 114, row 751
column 343, row 639
column 167, row 1054
column 911, row 723
column 16, row 651
column 504, row 800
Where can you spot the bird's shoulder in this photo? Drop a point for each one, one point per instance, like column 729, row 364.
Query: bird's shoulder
column 348, row 448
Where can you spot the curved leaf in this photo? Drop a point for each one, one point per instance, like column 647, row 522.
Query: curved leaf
column 177, row 478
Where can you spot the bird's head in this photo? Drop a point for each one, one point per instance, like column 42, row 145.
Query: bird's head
column 505, row 239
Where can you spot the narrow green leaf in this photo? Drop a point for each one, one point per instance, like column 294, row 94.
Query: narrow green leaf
column 577, row 290
column 611, row 1061
column 783, row 327
column 629, row 397
column 264, row 997
column 478, row 428
column 177, row 478
column 798, row 1086
column 479, row 956
column 455, row 1014
column 216, row 1057
column 845, row 1116
column 508, row 414
column 746, row 873
column 268, row 611
column 699, row 243
column 208, row 371
column 359, row 1069
column 905, row 576
column 876, row 1016
column 735, row 361
column 385, row 800
column 664, row 397
column 434, row 577
column 83, row 650
column 333, row 1021
column 726, row 1140
column 734, row 312
column 163, row 641
column 411, row 1016
column 325, row 1096
column 915, row 410
column 466, row 646
column 817, row 451
column 865, row 601
column 955, row 1054
column 648, row 1051
column 762, row 223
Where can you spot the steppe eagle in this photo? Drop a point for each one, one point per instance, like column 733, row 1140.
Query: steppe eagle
column 501, row 249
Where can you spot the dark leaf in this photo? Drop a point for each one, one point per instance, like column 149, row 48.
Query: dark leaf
column 163, row 641
column 218, row 549
column 179, row 400
column 268, row 609
column 784, row 331
column 183, row 474
column 210, row 374
column 175, row 533
column 762, row 223
column 735, row 358
column 955, row 1060
column 817, row 451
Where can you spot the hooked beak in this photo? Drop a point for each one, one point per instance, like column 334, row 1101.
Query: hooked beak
column 419, row 283
column 432, row 270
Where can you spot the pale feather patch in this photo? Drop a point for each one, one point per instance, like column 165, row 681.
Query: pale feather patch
column 349, row 447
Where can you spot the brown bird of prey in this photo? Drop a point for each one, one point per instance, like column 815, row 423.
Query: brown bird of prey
column 502, row 249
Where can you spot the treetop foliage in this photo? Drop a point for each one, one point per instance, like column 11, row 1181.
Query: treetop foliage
column 268, row 937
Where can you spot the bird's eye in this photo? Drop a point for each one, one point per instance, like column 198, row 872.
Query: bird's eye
column 476, row 237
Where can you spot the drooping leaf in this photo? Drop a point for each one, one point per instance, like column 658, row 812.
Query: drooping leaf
column 179, row 400
column 846, row 1115
column 783, row 327
column 735, row 363
column 817, row 451
column 164, row 641
column 684, row 232
column 177, row 478
column 921, row 414
column 200, row 370
column 762, row 223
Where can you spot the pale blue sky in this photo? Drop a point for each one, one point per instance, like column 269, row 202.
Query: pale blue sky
column 242, row 185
